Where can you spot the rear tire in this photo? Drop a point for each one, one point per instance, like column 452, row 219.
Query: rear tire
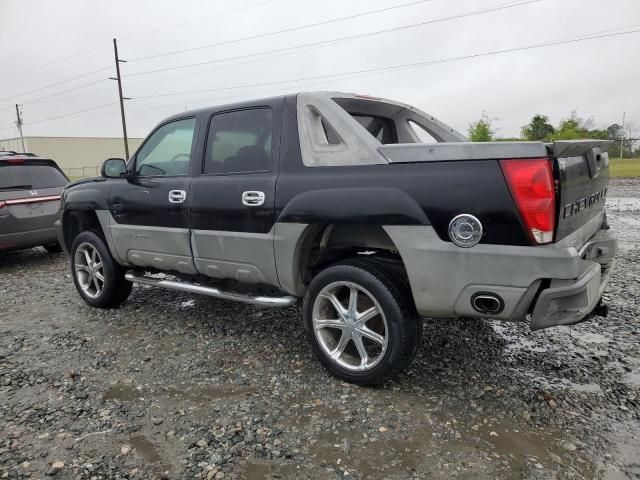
column 364, row 340
column 53, row 247
column 98, row 278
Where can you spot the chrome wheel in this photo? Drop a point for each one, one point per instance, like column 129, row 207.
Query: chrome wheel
column 89, row 270
column 350, row 326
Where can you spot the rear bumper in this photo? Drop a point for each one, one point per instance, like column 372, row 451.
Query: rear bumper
column 34, row 238
column 566, row 302
column 548, row 286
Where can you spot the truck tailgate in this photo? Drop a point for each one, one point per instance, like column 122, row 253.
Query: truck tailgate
column 583, row 174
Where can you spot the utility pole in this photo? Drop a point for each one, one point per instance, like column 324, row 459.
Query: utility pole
column 19, row 124
column 624, row 114
column 122, row 99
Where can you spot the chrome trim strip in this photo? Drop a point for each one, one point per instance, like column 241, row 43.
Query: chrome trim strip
column 263, row 301
column 17, row 201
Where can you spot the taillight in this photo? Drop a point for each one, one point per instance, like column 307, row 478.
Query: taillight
column 15, row 161
column 532, row 188
column 2, row 203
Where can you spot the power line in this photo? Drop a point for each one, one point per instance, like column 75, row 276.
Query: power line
column 401, row 66
column 58, row 60
column 199, row 19
column 183, row 104
column 71, row 113
column 84, row 85
column 340, row 39
column 360, row 73
column 54, row 97
column 293, row 49
column 285, row 30
column 103, row 45
column 55, row 84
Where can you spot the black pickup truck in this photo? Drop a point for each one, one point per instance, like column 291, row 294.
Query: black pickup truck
column 374, row 213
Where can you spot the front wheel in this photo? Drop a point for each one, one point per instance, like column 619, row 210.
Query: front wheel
column 360, row 323
column 98, row 278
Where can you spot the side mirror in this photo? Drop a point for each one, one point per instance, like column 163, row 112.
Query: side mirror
column 114, row 168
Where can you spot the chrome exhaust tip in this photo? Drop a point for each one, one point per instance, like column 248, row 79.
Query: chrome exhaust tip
column 487, row 303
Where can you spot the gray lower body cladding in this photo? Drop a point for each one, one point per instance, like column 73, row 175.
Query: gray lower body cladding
column 565, row 284
column 558, row 284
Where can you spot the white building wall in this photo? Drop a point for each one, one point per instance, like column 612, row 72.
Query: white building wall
column 78, row 156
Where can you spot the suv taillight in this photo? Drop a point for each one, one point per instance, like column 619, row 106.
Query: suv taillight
column 532, row 187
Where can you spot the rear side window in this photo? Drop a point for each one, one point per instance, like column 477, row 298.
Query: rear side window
column 23, row 177
column 239, row 142
column 381, row 128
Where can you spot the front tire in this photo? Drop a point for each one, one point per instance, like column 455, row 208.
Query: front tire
column 360, row 323
column 98, row 278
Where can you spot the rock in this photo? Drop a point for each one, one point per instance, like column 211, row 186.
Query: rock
column 346, row 446
column 202, row 443
column 156, row 420
column 55, row 468
column 555, row 458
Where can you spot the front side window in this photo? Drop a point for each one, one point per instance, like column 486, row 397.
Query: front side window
column 168, row 151
column 239, row 142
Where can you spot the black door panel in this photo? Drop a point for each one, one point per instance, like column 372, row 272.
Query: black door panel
column 146, row 202
column 216, row 203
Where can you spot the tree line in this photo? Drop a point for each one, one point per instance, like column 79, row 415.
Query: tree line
column 571, row 128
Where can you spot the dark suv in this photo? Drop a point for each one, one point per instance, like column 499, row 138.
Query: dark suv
column 30, row 189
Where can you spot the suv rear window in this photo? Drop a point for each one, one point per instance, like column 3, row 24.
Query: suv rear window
column 30, row 177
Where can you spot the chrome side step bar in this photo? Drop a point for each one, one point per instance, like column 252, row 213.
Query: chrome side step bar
column 263, row 301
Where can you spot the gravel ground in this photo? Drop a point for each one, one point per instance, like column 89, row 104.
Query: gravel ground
column 181, row 386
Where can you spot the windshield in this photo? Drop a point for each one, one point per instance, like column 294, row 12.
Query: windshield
column 23, row 177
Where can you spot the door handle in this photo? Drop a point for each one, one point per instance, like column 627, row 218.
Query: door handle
column 177, row 196
column 253, row 199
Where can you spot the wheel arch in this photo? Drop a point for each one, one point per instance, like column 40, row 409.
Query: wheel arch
column 75, row 222
column 321, row 244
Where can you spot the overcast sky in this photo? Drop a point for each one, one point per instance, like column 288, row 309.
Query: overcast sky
column 44, row 42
